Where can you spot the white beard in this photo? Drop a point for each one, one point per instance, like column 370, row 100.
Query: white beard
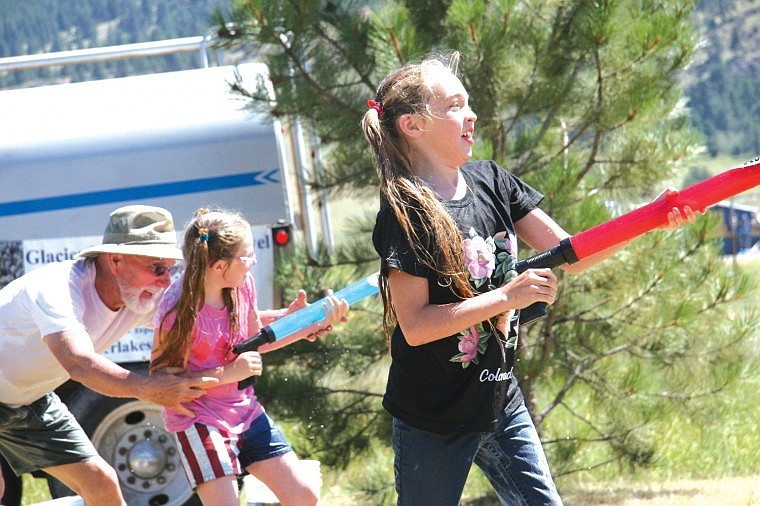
column 131, row 297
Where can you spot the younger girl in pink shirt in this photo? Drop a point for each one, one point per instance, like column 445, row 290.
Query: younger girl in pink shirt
column 201, row 317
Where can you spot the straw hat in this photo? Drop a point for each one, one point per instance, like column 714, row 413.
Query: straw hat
column 139, row 230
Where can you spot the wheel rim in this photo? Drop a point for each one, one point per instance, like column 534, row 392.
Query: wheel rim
column 133, row 439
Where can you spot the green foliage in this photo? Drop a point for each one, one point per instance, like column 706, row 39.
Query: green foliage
column 659, row 344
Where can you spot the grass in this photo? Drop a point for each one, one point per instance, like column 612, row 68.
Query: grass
column 35, row 490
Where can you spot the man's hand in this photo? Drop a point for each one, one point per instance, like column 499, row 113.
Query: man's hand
column 166, row 388
column 300, row 302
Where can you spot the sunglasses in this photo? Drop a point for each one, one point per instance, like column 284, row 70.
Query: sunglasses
column 158, row 269
column 248, row 260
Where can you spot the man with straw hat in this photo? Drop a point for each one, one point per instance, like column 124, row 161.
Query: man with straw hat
column 54, row 323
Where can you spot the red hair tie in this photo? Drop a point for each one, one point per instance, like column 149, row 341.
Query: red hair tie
column 376, row 106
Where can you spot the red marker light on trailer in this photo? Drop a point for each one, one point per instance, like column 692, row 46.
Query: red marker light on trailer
column 281, row 237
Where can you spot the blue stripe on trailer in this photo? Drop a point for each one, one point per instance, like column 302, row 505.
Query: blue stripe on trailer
column 139, row 192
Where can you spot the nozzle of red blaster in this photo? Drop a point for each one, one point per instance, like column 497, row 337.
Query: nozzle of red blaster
column 638, row 222
column 654, row 215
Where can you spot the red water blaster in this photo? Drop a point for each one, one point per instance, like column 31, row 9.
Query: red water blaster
column 638, row 222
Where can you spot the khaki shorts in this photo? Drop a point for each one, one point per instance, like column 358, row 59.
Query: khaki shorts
column 42, row 434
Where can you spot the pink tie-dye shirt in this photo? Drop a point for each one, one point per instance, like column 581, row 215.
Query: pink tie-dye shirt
column 223, row 406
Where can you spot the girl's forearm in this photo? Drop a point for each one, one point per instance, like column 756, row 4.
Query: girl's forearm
column 227, row 373
column 437, row 321
column 269, row 315
column 305, row 332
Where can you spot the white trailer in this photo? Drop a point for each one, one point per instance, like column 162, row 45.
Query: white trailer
column 72, row 153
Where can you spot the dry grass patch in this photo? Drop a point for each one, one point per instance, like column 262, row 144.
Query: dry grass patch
column 723, row 492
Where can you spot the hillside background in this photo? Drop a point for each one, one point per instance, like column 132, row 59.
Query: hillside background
column 41, row 26
column 722, row 85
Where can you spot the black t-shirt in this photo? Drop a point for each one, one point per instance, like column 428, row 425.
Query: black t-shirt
column 460, row 383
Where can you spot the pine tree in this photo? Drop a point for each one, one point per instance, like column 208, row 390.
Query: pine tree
column 581, row 100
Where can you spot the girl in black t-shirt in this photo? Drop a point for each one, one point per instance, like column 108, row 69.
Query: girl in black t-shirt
column 447, row 236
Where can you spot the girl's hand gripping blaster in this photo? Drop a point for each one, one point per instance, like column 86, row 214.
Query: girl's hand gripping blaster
column 638, row 222
column 313, row 313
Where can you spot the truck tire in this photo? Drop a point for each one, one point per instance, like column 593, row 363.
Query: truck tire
column 13, row 486
column 130, row 435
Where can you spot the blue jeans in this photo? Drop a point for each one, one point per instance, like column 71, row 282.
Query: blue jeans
column 431, row 468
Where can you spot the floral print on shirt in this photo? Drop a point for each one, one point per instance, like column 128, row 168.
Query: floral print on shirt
column 490, row 263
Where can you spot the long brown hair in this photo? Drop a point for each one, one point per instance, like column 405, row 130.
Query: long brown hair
column 209, row 237
column 422, row 217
